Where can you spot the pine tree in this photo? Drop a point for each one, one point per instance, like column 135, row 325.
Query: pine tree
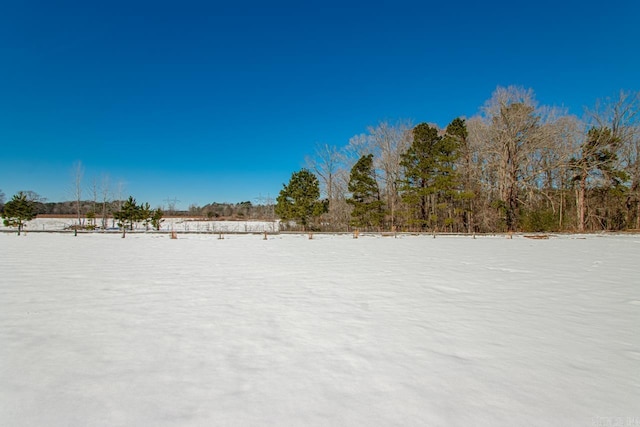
column 299, row 200
column 368, row 209
column 145, row 214
column 458, row 136
column 17, row 211
column 597, row 160
column 129, row 214
column 156, row 218
column 430, row 179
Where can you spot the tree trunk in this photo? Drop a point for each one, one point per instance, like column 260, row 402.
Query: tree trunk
column 582, row 189
column 561, row 209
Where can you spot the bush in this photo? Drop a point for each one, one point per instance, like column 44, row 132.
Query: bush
column 538, row 221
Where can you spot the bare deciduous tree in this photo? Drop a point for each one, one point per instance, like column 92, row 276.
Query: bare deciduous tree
column 325, row 163
column 328, row 163
column 511, row 133
column 389, row 142
column 104, row 193
column 563, row 134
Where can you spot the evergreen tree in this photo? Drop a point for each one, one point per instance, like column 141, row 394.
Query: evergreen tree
column 368, row 209
column 299, row 200
column 156, row 218
column 430, row 180
column 129, row 214
column 597, row 161
column 457, row 135
column 17, row 211
column 145, row 215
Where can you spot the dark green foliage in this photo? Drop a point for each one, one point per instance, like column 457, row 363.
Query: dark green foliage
column 457, row 129
column 430, row 182
column 538, row 220
column 129, row 214
column 598, row 156
column 368, row 209
column 145, row 214
column 596, row 167
column 17, row 211
column 299, row 200
column 156, row 218
column 458, row 135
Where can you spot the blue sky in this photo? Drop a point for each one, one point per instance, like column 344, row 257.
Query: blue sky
column 208, row 101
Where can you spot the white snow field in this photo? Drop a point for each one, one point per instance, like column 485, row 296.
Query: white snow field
column 179, row 224
column 96, row 330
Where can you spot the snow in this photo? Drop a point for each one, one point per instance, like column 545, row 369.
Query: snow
column 96, row 330
column 178, row 224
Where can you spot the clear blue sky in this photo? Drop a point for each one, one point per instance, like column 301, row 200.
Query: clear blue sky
column 222, row 101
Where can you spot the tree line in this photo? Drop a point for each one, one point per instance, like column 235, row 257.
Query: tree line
column 22, row 208
column 515, row 166
column 88, row 209
column 93, row 215
column 26, row 205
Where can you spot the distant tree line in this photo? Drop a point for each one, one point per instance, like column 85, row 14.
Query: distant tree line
column 242, row 210
column 233, row 211
column 93, row 215
column 99, row 203
column 516, row 166
column 23, row 207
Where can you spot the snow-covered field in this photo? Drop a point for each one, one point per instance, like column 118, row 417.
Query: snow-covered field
column 180, row 224
column 96, row 330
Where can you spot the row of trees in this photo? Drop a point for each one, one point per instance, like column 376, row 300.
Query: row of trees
column 22, row 208
column 264, row 209
column 132, row 213
column 106, row 198
column 514, row 166
column 90, row 212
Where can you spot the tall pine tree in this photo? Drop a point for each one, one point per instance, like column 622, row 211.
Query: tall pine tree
column 368, row 209
column 457, row 136
column 299, row 200
column 430, row 182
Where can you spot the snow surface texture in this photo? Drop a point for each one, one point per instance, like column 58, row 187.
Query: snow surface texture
column 96, row 330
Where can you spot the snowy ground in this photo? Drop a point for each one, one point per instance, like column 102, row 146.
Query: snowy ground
column 189, row 225
column 96, row 330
